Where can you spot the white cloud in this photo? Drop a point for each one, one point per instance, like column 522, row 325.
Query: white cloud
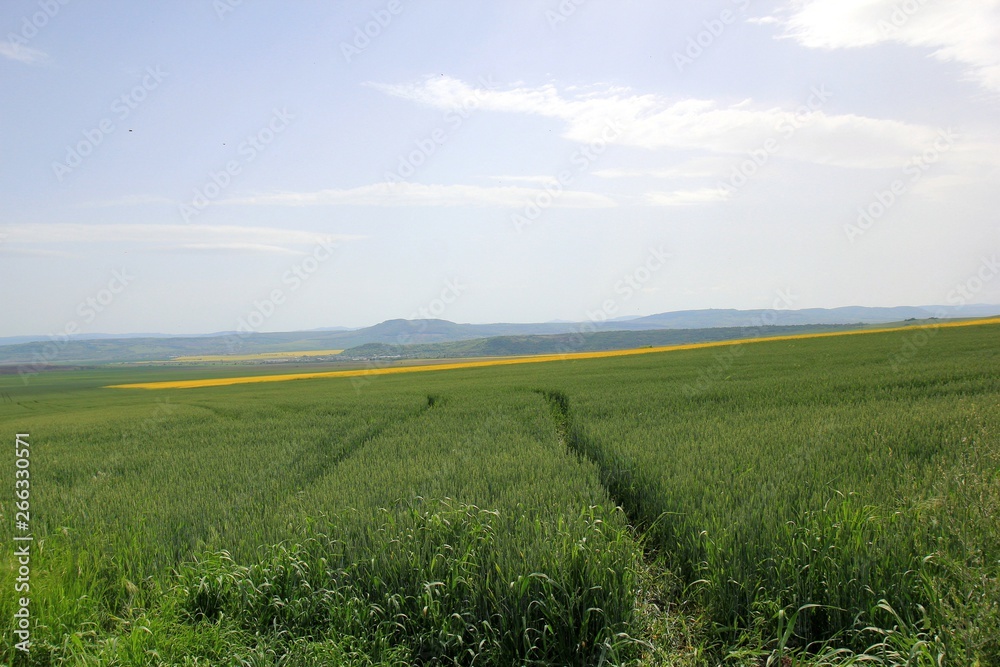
column 688, row 197
column 27, row 237
column 655, row 122
column 414, row 194
column 700, row 170
column 134, row 200
column 21, row 54
column 236, row 247
column 962, row 31
column 540, row 179
column 34, row 252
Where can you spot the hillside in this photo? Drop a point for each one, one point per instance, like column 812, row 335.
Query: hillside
column 504, row 346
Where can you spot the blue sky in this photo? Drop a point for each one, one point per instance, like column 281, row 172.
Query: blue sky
column 178, row 167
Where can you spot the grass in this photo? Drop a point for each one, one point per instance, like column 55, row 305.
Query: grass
column 810, row 501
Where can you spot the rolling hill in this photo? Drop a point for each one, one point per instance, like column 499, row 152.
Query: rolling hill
column 107, row 348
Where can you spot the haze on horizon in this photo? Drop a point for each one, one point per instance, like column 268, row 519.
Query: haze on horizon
column 185, row 165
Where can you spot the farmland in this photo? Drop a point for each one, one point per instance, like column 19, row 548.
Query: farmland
column 817, row 498
column 396, row 368
column 260, row 356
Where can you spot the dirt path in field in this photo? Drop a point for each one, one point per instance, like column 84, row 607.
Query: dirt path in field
column 614, row 476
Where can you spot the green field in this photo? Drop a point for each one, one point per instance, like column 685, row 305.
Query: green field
column 827, row 501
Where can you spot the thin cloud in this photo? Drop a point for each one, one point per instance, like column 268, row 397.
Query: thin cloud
column 688, row 197
column 413, row 194
column 133, row 200
column 34, row 237
column 237, row 248
column 677, row 172
column 655, row 122
column 21, row 54
column 541, row 179
column 34, row 252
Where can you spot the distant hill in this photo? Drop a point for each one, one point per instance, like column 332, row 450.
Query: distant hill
column 105, row 348
column 17, row 340
column 694, row 319
column 505, row 346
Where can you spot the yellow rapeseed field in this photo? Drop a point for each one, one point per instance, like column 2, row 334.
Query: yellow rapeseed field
column 542, row 358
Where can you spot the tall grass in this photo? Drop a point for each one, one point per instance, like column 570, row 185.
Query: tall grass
column 816, row 478
column 337, row 484
column 813, row 505
column 443, row 580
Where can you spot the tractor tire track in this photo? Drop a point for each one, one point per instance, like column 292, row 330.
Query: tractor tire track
column 616, row 477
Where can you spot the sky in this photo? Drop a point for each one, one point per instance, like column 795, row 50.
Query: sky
column 186, row 167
